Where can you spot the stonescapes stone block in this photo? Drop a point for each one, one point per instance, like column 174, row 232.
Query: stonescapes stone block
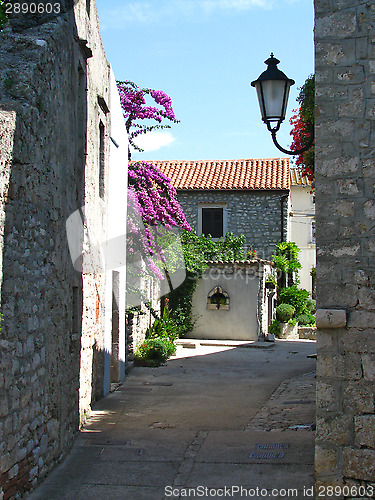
column 341, row 367
column 336, row 25
column 364, row 427
column 359, row 464
column 327, row 396
column 334, row 429
column 357, row 397
column 326, row 461
column 330, row 318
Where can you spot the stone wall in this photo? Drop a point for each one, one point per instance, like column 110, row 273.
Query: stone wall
column 54, row 82
column 345, row 210
column 256, row 214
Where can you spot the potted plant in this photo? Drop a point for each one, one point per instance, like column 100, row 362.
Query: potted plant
column 288, row 325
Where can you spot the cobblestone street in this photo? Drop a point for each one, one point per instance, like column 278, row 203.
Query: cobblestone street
column 215, row 419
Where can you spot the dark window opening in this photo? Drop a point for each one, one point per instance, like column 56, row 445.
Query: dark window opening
column 212, row 222
column 101, row 159
column 218, row 299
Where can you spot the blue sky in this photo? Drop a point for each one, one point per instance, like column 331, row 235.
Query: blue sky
column 204, row 54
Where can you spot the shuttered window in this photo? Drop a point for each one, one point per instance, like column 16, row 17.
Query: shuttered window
column 212, row 222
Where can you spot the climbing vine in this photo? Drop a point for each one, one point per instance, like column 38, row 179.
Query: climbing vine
column 303, row 122
column 197, row 251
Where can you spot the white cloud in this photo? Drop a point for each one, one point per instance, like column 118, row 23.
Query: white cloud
column 210, row 5
column 146, row 12
column 154, row 140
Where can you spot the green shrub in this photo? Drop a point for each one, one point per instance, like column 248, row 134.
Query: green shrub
column 306, row 319
column 284, row 312
column 152, row 352
column 296, row 297
column 311, row 305
column 274, row 328
column 171, row 347
column 163, row 327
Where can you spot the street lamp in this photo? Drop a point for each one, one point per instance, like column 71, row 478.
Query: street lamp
column 272, row 89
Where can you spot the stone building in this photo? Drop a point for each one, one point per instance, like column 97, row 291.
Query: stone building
column 249, row 197
column 345, row 214
column 63, row 149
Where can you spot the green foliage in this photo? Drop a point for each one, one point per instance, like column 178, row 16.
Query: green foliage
column 292, row 322
column 152, row 352
column 303, row 124
column 8, row 83
column 171, row 347
column 306, row 99
column 197, row 250
column 306, row 319
column 274, row 328
column 3, row 16
column 311, row 305
column 271, row 278
column 313, row 276
column 287, row 263
column 200, row 249
column 164, row 327
column 180, row 301
column 286, row 258
column 297, row 297
column 284, row 312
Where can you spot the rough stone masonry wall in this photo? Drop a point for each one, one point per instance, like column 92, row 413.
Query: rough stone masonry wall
column 42, row 126
column 256, row 214
column 345, row 212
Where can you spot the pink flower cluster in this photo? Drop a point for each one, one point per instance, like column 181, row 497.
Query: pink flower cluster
column 151, row 195
column 152, row 200
column 133, row 103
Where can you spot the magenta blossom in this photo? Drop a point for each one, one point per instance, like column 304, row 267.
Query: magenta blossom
column 133, row 103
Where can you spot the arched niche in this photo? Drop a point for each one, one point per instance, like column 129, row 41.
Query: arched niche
column 218, row 299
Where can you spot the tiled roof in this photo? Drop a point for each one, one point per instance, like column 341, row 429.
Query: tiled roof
column 297, row 179
column 245, row 174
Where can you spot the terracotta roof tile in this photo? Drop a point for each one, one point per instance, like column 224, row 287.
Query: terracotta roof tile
column 297, row 179
column 271, row 173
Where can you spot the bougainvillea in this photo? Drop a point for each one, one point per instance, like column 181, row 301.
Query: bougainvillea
column 153, row 209
column 302, row 122
column 135, row 108
column 152, row 196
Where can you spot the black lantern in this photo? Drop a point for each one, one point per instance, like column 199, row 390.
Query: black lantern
column 273, row 92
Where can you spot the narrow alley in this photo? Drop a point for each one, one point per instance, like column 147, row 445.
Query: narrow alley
column 216, row 421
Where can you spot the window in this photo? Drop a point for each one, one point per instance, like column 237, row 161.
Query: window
column 213, row 222
column 101, row 159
